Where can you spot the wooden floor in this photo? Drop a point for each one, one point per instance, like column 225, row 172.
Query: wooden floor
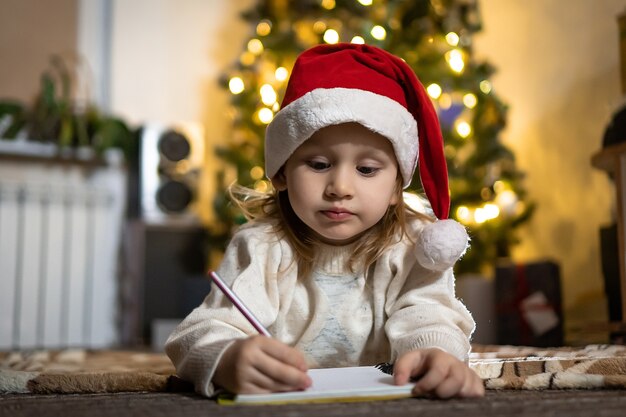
column 573, row 403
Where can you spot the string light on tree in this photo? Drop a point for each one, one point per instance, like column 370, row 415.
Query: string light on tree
column 508, row 202
column 319, row 26
column 452, row 39
column 464, row 215
column 485, row 86
column 378, row 32
column 281, row 74
column 265, row 115
column 331, row 36
column 328, row 4
column 256, row 173
column 455, row 60
column 486, row 213
column 434, row 91
column 463, row 128
column 268, row 95
column 261, row 186
column 255, row 46
column 470, row 100
column 264, row 28
column 247, row 59
column 506, row 198
column 236, row 85
column 358, row 40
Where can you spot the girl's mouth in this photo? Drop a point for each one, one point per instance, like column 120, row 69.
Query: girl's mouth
column 337, row 214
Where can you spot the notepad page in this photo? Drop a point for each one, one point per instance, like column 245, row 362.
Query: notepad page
column 359, row 377
column 365, row 382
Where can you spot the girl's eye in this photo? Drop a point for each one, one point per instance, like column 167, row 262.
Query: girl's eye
column 318, row 165
column 367, row 170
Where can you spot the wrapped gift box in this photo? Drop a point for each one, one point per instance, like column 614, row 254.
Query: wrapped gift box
column 528, row 303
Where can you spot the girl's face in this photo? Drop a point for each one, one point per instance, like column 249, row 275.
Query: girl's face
column 341, row 181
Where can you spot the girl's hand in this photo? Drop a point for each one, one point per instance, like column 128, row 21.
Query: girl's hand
column 259, row 365
column 437, row 373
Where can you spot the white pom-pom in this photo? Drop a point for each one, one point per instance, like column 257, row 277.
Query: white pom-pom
column 441, row 244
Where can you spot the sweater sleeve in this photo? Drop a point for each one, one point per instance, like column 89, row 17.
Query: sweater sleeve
column 250, row 266
column 422, row 308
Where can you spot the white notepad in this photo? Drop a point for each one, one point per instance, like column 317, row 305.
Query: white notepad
column 361, row 383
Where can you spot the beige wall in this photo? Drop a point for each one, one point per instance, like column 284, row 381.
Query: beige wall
column 30, row 31
column 558, row 69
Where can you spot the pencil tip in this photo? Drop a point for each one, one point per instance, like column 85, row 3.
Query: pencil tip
column 385, row 367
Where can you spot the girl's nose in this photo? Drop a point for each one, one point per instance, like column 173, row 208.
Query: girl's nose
column 340, row 184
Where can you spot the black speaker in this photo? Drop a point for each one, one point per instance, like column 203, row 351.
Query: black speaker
column 165, row 275
column 170, row 164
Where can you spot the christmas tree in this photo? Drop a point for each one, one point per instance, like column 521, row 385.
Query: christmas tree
column 435, row 38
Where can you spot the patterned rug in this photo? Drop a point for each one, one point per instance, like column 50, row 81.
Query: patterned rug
column 513, row 367
column 501, row 367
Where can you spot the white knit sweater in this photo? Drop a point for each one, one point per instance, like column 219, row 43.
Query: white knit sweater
column 335, row 317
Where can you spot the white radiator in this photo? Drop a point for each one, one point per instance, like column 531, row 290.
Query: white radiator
column 60, row 229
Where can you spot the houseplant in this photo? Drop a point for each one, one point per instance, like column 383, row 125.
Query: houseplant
column 74, row 126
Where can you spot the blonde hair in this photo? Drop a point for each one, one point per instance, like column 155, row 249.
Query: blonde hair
column 274, row 205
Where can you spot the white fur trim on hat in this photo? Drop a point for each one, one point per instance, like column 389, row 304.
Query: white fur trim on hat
column 322, row 107
column 441, row 244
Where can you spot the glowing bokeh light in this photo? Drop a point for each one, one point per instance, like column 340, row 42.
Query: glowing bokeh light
column 331, row 36
column 265, row 115
column 236, row 85
column 379, row 32
column 434, row 90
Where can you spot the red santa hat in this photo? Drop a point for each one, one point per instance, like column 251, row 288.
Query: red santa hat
column 340, row 83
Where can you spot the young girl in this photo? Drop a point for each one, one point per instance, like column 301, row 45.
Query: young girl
column 333, row 262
